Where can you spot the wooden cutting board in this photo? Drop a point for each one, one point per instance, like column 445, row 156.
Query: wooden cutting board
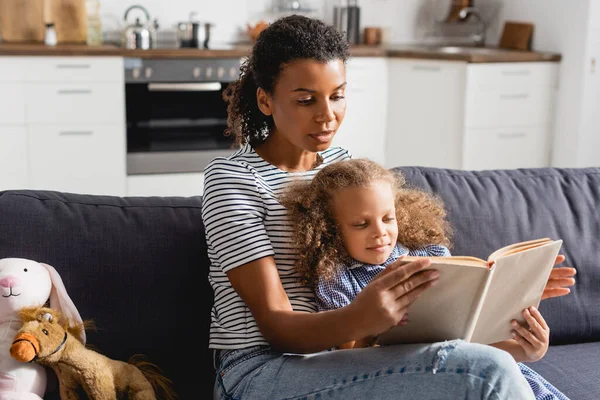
column 70, row 20
column 516, row 35
column 22, row 20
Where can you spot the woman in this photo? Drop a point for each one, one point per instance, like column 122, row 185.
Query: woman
column 269, row 340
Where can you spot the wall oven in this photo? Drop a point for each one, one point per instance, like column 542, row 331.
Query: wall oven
column 175, row 113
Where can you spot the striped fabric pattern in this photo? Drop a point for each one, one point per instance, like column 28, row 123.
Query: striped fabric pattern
column 245, row 222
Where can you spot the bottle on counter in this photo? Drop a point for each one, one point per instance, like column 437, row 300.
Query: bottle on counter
column 50, row 36
column 94, row 24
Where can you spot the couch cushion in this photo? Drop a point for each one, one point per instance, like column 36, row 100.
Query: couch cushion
column 137, row 267
column 491, row 209
column 573, row 369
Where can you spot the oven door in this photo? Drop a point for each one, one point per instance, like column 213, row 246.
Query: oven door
column 175, row 126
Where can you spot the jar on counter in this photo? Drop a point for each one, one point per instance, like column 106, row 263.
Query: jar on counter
column 50, row 36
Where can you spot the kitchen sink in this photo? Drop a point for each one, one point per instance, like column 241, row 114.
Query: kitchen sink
column 465, row 49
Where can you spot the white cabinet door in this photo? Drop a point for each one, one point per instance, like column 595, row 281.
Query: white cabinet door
column 505, row 148
column 76, row 69
column 363, row 130
column 78, row 159
column 185, row 184
column 13, row 157
column 12, row 69
column 425, row 121
column 12, row 103
column 75, row 103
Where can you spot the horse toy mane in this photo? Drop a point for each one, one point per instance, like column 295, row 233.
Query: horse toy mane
column 50, row 339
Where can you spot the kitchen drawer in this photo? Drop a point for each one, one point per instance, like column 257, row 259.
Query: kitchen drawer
column 76, row 69
column 13, row 158
column 75, row 103
column 78, row 159
column 498, row 148
column 509, row 106
column 11, row 69
column 503, row 75
column 367, row 67
column 12, row 103
column 179, row 184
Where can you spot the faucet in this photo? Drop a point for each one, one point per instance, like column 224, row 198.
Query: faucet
column 479, row 37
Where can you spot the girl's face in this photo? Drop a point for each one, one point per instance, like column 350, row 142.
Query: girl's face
column 367, row 220
column 308, row 103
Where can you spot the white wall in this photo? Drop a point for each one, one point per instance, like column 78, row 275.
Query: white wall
column 228, row 16
column 400, row 17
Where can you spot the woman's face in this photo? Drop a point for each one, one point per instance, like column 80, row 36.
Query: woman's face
column 366, row 217
column 307, row 104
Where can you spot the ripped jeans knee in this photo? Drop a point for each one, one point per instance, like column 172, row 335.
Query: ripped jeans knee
column 441, row 355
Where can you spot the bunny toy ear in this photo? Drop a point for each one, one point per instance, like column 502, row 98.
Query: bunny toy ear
column 60, row 300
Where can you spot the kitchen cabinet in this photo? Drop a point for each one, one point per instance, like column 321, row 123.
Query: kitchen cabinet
column 364, row 127
column 14, row 168
column 179, row 184
column 80, row 160
column 13, row 134
column 449, row 114
column 425, row 113
column 64, row 118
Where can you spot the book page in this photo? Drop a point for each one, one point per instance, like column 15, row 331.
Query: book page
column 444, row 311
column 460, row 260
column 517, row 283
column 516, row 247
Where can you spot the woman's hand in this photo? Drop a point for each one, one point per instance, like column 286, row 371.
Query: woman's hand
column 535, row 340
column 384, row 302
column 560, row 279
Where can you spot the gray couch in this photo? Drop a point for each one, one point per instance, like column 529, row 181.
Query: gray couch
column 138, row 266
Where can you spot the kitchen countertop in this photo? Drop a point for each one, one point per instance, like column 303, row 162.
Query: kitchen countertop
column 417, row 51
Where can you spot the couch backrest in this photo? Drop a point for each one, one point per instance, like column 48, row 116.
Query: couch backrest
column 491, row 209
column 137, row 267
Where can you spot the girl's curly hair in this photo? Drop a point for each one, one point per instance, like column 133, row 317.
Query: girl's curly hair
column 290, row 38
column 421, row 216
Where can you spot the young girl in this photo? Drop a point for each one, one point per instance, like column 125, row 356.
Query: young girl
column 269, row 339
column 355, row 218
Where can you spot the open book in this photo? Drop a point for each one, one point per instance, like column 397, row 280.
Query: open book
column 476, row 299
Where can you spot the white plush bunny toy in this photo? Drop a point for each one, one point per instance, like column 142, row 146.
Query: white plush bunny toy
column 25, row 283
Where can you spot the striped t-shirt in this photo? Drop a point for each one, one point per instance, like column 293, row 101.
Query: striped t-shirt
column 244, row 221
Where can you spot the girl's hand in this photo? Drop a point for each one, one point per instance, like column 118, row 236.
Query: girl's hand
column 560, row 279
column 384, row 302
column 536, row 339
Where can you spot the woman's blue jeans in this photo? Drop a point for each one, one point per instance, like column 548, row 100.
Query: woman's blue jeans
column 448, row 370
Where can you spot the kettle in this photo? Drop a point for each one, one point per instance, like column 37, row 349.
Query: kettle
column 138, row 35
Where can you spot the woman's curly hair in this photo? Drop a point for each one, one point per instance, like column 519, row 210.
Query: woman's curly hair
column 420, row 215
column 285, row 40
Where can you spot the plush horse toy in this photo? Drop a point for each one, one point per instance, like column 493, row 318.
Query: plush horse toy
column 51, row 340
column 25, row 283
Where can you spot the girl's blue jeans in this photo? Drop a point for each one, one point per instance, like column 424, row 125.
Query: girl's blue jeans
column 448, row 370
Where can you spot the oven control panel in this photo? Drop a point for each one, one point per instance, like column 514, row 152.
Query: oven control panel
column 138, row 70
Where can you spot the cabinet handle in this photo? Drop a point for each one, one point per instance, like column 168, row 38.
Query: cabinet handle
column 184, row 87
column 513, row 135
column 75, row 91
column 73, row 66
column 517, row 72
column 75, row 133
column 513, row 96
column 428, row 68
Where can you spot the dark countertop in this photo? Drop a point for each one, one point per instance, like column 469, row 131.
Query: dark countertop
column 431, row 52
